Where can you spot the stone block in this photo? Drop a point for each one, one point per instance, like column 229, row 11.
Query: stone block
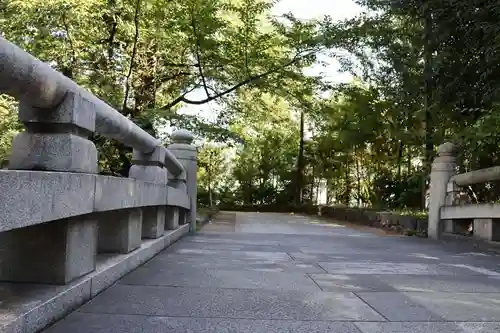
column 148, row 173
column 183, row 215
column 178, row 198
column 153, row 221
column 75, row 110
column 34, row 197
column 120, row 231
column 150, row 194
column 55, row 152
column 488, row 229
column 172, row 218
column 155, row 158
column 456, row 226
column 56, row 252
column 114, row 193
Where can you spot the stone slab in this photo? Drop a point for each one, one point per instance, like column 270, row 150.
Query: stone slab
column 230, row 303
column 233, row 247
column 460, row 306
column 29, row 308
column 396, row 306
column 237, row 254
column 345, row 283
column 440, row 283
column 177, row 262
column 217, row 278
column 203, row 237
column 178, row 198
column 34, row 197
column 406, row 327
column 98, row 323
column 377, row 268
column 443, row 327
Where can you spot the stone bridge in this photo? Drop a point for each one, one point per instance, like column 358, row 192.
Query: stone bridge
column 262, row 273
column 82, row 245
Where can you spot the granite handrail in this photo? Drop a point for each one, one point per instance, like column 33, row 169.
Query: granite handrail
column 477, row 176
column 28, row 79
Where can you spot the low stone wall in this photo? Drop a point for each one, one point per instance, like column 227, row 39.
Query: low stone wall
column 364, row 216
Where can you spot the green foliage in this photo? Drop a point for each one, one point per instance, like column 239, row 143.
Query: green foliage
column 425, row 72
column 145, row 57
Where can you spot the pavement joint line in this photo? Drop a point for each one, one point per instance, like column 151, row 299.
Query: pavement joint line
column 314, row 281
column 371, row 307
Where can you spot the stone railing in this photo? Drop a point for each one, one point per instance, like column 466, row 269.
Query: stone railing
column 450, row 210
column 61, row 222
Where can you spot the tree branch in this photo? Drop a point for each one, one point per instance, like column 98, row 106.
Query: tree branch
column 134, row 52
column 197, row 53
column 71, row 45
column 250, row 79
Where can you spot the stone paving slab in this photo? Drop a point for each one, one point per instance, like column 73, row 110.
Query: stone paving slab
column 257, row 255
column 408, row 327
column 288, row 273
column 232, row 247
column 377, row 268
column 99, row 323
column 217, row 278
column 231, row 303
column 178, row 262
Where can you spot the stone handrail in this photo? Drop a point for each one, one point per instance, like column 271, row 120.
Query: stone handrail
column 477, row 176
column 64, row 224
column 28, row 79
column 448, row 212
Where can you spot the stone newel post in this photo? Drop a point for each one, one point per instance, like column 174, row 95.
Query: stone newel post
column 186, row 153
column 443, row 168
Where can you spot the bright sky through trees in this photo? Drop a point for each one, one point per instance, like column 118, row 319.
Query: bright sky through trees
column 306, row 10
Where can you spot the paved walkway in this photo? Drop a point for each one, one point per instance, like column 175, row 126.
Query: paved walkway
column 285, row 273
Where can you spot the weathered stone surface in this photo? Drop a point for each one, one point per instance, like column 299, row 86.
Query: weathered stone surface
column 29, row 308
column 116, row 193
column 33, row 197
column 488, row 229
column 96, row 323
column 186, row 153
column 154, row 158
column 56, row 252
column 177, row 197
column 153, row 221
column 215, row 278
column 376, row 284
column 231, row 303
column 74, row 110
column 172, row 218
column 53, row 152
column 148, row 173
column 120, row 231
column 406, row 327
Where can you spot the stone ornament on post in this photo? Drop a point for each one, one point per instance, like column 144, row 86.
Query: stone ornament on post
column 443, row 168
column 183, row 149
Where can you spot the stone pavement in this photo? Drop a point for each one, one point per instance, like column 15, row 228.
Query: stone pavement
column 285, row 273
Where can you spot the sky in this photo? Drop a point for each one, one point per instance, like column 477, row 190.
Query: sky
column 302, row 9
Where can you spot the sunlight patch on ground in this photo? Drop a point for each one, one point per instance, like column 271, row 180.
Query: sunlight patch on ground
column 424, row 256
column 477, row 269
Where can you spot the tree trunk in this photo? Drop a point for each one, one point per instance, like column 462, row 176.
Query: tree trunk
column 300, row 164
column 428, row 99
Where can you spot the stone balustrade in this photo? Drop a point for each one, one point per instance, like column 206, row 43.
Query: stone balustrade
column 450, row 210
column 62, row 223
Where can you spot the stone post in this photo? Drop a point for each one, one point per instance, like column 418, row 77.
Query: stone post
column 55, row 139
column 186, row 153
column 150, row 168
column 443, row 168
